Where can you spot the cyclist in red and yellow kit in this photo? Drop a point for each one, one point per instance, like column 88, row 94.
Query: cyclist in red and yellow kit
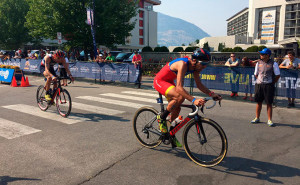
column 176, row 94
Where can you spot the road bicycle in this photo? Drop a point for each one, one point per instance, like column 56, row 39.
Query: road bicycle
column 60, row 97
column 204, row 140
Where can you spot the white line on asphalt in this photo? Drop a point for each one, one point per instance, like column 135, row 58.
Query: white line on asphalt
column 155, row 95
column 49, row 114
column 110, row 101
column 151, row 100
column 96, row 109
column 11, row 130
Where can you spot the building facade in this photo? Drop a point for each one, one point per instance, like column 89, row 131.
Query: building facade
column 145, row 31
column 273, row 23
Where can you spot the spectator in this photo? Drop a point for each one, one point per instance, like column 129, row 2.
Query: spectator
column 248, row 63
column 47, row 51
column 233, row 62
column 109, row 58
column 100, row 58
column 137, row 61
column 265, row 83
column 17, row 55
column 291, row 63
column 2, row 55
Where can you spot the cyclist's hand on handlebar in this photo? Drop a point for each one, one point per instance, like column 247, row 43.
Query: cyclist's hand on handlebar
column 216, row 97
column 199, row 102
column 72, row 78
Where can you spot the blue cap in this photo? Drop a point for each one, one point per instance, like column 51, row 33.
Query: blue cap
column 265, row 51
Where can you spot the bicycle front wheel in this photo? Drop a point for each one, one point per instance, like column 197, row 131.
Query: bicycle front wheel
column 40, row 98
column 146, row 127
column 205, row 142
column 63, row 103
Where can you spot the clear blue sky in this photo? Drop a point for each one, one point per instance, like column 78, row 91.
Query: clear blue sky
column 209, row 15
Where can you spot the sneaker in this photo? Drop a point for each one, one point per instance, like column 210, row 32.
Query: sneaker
column 176, row 142
column 245, row 98
column 251, row 99
column 162, row 125
column 48, row 97
column 270, row 123
column 232, row 95
column 236, row 94
column 255, row 120
column 292, row 104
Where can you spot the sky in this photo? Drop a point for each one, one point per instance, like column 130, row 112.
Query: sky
column 209, row 15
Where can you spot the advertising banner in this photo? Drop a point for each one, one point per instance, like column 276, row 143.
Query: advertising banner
column 6, row 75
column 268, row 25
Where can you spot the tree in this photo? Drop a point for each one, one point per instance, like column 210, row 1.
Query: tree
column 261, row 48
column 197, row 41
column 221, row 46
column 112, row 21
column 227, row 50
column 178, row 49
column 147, row 49
column 161, row 49
column 206, row 46
column 238, row 49
column 13, row 33
column 189, row 49
column 252, row 49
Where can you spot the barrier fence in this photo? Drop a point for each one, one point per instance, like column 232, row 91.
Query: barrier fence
column 237, row 79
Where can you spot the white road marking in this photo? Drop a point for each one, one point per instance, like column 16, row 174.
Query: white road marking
column 154, row 95
column 111, row 101
column 151, row 100
column 96, row 109
column 11, row 130
column 49, row 114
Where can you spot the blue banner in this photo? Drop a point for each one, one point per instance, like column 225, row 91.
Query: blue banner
column 6, row 75
column 237, row 79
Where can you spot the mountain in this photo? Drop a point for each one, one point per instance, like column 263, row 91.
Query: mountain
column 173, row 31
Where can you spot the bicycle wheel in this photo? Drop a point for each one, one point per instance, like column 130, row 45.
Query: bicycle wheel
column 146, row 127
column 205, row 152
column 40, row 98
column 63, row 103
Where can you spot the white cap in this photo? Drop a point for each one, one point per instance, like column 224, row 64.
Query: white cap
column 100, row 55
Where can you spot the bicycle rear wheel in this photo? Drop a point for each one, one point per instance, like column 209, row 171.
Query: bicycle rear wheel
column 40, row 98
column 209, row 147
column 63, row 103
column 146, row 127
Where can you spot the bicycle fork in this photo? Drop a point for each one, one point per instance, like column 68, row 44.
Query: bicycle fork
column 200, row 130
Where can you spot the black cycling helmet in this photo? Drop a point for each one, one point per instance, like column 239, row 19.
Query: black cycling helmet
column 201, row 54
column 59, row 53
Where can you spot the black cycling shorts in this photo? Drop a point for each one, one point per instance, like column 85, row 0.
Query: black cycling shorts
column 51, row 69
column 264, row 92
column 63, row 72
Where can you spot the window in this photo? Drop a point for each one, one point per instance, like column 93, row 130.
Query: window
column 141, row 23
column 141, row 32
column 141, row 41
column 141, row 14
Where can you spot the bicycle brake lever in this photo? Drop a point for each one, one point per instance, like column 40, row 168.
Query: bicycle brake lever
column 202, row 109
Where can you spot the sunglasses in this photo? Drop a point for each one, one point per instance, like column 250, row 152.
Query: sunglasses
column 203, row 63
column 232, row 56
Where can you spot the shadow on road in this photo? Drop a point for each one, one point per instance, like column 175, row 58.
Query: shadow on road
column 4, row 180
column 97, row 117
column 243, row 167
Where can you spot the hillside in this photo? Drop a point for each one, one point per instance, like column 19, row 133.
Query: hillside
column 173, row 31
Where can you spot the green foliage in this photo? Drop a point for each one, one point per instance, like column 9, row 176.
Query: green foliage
column 178, row 49
column 206, row 46
column 197, row 41
column 221, row 46
column 190, row 49
column 252, row 49
column 227, row 50
column 261, row 48
column 238, row 49
column 13, row 33
column 112, row 21
column 161, row 49
column 182, row 44
column 147, row 49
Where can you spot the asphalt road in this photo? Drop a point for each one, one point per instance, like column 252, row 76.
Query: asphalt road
column 96, row 145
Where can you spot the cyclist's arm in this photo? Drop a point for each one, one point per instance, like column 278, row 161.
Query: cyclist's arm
column 66, row 65
column 199, row 84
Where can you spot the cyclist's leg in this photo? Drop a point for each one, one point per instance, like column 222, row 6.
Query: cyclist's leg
column 175, row 100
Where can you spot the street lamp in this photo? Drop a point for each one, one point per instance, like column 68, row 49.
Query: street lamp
column 148, row 8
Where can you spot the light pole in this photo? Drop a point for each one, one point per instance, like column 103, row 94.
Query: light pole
column 148, row 8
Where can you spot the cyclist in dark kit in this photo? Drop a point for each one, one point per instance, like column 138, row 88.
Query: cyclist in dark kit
column 48, row 71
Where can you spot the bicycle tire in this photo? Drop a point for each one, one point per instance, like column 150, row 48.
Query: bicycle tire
column 40, row 98
column 216, row 143
column 63, row 103
column 146, row 127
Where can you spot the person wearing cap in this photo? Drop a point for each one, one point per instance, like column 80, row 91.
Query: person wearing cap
column 176, row 94
column 109, row 58
column 137, row 61
column 267, row 74
column 291, row 63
